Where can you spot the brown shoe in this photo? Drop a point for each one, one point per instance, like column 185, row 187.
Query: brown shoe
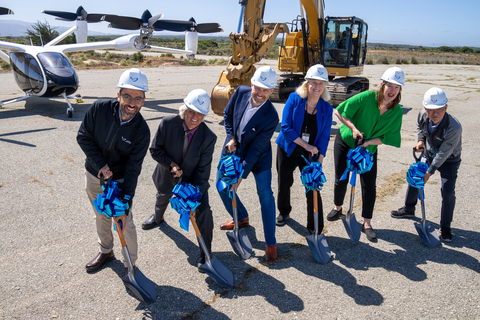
column 270, row 253
column 99, row 261
column 229, row 225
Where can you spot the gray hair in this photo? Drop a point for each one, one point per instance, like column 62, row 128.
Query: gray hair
column 302, row 91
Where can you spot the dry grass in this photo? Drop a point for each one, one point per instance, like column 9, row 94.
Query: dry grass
column 418, row 57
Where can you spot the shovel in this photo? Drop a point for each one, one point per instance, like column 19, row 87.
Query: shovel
column 238, row 238
column 141, row 287
column 214, row 268
column 318, row 243
column 425, row 230
column 349, row 221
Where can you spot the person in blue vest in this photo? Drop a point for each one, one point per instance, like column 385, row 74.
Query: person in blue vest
column 306, row 123
column 440, row 141
column 250, row 121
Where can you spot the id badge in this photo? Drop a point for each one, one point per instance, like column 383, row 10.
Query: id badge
column 306, row 137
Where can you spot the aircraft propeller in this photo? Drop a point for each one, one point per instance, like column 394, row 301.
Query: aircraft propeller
column 5, row 11
column 81, row 14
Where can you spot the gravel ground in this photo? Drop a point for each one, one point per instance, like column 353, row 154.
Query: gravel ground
column 49, row 232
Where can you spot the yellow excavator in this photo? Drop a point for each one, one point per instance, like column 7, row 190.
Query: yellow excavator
column 339, row 43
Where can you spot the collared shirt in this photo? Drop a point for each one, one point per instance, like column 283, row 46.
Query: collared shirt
column 120, row 116
column 247, row 115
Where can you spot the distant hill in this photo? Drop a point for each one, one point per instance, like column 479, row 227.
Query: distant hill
column 17, row 28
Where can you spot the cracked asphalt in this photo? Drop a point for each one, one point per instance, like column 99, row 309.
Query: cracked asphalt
column 48, row 232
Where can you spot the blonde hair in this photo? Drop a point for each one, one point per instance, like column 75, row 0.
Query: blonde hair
column 303, row 92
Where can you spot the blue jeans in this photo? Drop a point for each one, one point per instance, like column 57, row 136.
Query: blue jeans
column 267, row 204
column 448, row 175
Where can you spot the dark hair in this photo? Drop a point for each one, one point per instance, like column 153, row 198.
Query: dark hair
column 392, row 104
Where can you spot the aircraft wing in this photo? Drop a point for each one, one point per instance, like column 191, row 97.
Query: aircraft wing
column 122, row 43
column 11, row 46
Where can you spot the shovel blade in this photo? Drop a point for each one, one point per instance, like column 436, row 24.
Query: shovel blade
column 218, row 272
column 141, row 286
column 319, row 248
column 241, row 244
column 428, row 234
column 352, row 227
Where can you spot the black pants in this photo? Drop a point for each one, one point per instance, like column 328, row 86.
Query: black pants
column 448, row 175
column 285, row 167
column 203, row 216
column 368, row 180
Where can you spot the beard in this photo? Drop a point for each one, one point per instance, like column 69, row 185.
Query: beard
column 125, row 115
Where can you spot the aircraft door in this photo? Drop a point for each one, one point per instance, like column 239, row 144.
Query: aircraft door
column 27, row 72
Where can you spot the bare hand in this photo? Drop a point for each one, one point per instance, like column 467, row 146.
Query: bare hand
column 105, row 171
column 419, row 147
column 231, row 146
column 122, row 218
column 357, row 134
column 312, row 149
column 426, row 177
column 236, row 185
column 177, row 172
column 192, row 213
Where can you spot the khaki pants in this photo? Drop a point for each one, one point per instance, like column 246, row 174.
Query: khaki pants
column 104, row 224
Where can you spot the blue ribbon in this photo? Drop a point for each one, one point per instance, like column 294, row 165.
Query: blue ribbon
column 231, row 169
column 185, row 199
column 359, row 161
column 312, row 176
column 415, row 175
column 112, row 202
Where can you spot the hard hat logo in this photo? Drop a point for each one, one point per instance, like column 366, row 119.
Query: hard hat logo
column 134, row 79
column 263, row 78
column 200, row 102
column 434, row 101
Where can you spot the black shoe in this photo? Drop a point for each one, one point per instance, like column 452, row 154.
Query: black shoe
column 446, row 234
column 402, row 213
column 201, row 261
column 334, row 215
column 151, row 223
column 369, row 233
column 281, row 219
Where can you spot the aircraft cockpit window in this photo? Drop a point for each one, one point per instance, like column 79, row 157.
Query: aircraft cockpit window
column 56, row 63
column 27, row 72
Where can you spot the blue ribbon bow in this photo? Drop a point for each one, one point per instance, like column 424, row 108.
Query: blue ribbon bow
column 359, row 161
column 185, row 199
column 231, row 169
column 415, row 175
column 312, row 176
column 112, row 202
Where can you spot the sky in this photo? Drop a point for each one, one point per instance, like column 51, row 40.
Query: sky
column 415, row 22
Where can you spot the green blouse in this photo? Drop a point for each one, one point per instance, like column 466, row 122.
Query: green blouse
column 362, row 110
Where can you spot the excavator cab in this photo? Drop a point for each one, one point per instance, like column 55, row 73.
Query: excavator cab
column 345, row 46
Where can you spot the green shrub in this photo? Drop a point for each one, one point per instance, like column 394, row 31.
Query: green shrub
column 447, row 62
column 123, row 62
column 398, row 61
column 169, row 55
column 138, row 56
column 414, row 60
column 385, row 60
column 5, row 65
column 369, row 61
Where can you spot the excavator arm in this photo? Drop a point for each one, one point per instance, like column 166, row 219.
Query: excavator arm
column 248, row 48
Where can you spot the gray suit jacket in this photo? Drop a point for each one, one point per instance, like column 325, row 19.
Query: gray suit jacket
column 167, row 146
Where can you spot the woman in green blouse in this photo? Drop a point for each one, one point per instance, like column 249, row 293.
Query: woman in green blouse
column 375, row 117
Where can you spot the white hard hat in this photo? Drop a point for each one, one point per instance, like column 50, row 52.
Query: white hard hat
column 394, row 75
column 265, row 77
column 133, row 79
column 198, row 100
column 317, row 72
column 434, row 98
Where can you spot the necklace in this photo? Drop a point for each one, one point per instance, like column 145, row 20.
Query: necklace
column 312, row 106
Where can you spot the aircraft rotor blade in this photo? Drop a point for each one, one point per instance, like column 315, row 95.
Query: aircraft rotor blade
column 208, row 27
column 5, row 11
column 154, row 19
column 122, row 22
column 94, row 17
column 68, row 16
column 174, row 25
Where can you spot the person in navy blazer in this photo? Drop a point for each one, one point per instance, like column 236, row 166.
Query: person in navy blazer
column 306, row 123
column 194, row 168
column 250, row 121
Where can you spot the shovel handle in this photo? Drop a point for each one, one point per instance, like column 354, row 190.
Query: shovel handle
column 417, row 159
column 120, row 233
column 194, row 224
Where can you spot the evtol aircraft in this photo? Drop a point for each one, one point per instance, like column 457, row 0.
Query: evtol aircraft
column 45, row 71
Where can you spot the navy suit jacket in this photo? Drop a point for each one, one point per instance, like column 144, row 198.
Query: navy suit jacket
column 167, row 146
column 255, row 150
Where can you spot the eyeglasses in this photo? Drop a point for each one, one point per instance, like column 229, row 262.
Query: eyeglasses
column 129, row 99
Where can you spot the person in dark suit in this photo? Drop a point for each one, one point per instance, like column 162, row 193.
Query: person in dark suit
column 183, row 148
column 250, row 121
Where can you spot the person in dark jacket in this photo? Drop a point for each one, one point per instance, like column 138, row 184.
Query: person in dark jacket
column 306, row 123
column 114, row 137
column 183, row 149
column 440, row 141
column 250, row 121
